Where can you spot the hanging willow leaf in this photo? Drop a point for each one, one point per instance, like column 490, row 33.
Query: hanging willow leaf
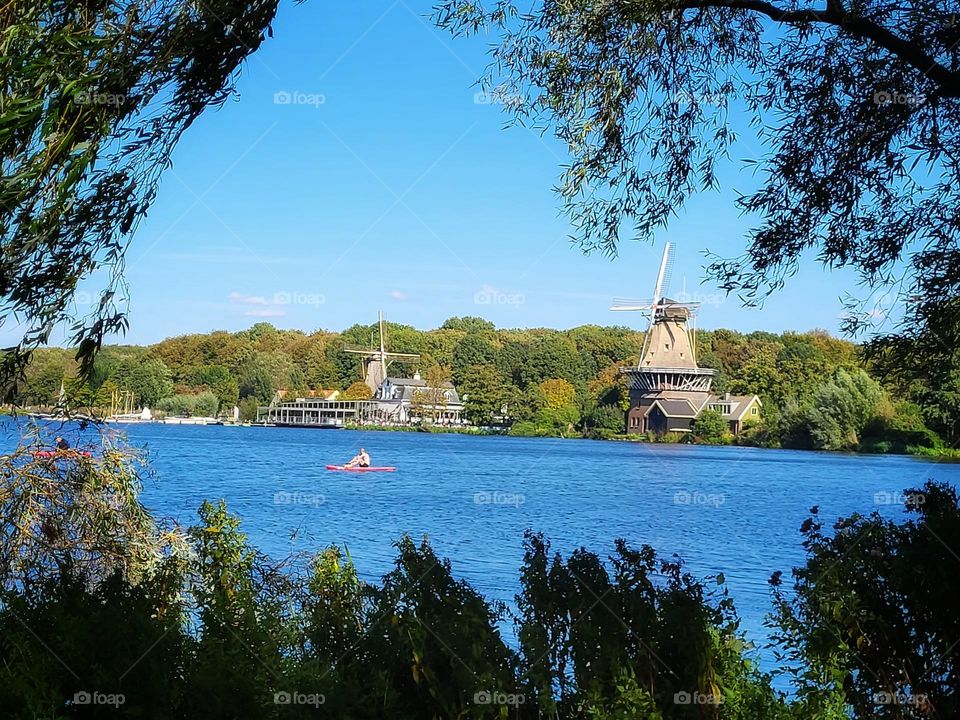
column 93, row 98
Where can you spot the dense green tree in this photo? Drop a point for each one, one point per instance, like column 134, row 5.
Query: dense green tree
column 472, row 350
column 551, row 355
column 468, row 324
column 44, row 376
column 203, row 404
column 484, row 394
column 255, row 382
column 856, row 107
column 220, row 382
column 759, row 375
column 837, row 413
column 148, row 380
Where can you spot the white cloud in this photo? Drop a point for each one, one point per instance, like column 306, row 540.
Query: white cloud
column 248, row 299
column 398, row 295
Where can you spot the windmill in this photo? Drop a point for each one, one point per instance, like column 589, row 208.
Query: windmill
column 376, row 362
column 668, row 360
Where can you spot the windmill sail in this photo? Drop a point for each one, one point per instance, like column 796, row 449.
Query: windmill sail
column 376, row 362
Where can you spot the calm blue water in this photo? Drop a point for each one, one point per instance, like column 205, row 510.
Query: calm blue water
column 727, row 509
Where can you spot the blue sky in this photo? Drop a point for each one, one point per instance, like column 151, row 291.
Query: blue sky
column 384, row 184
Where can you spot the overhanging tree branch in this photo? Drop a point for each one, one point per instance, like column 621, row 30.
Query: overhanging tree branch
column 910, row 52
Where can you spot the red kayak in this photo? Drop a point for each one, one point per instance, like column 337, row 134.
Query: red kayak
column 361, row 469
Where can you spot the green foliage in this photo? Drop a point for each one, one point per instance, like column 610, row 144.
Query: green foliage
column 605, row 421
column 204, row 404
column 710, row 427
column 248, row 409
column 871, row 613
column 836, row 415
column 96, row 96
column 149, row 380
column 483, row 394
column 218, row 380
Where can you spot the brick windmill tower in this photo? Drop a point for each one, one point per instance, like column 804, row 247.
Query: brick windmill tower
column 667, row 387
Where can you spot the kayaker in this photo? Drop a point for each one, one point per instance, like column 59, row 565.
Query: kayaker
column 362, row 459
column 61, row 443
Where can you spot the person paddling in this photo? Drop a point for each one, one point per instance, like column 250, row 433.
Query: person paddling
column 61, row 443
column 362, row 459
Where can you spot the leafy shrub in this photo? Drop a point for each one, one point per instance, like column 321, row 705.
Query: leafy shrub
column 203, row 404
column 710, row 427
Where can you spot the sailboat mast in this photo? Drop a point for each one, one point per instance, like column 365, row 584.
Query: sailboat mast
column 383, row 351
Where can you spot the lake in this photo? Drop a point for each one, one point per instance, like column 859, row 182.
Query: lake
column 723, row 509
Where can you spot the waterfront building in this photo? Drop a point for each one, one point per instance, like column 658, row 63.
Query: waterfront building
column 395, row 400
column 668, row 389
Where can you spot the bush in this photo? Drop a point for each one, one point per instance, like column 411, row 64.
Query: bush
column 529, row 428
column 897, row 430
column 204, row 404
column 872, row 613
column 606, row 421
column 358, row 391
column 711, row 428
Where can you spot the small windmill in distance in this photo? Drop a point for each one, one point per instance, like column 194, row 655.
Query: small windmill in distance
column 376, row 362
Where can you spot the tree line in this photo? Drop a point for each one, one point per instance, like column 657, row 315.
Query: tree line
column 818, row 391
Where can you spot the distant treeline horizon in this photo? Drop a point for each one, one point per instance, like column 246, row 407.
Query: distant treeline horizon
column 818, row 390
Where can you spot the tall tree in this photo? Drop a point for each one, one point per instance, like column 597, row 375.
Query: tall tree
column 856, row 104
column 95, row 97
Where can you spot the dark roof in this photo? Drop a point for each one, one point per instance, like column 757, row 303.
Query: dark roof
column 676, row 408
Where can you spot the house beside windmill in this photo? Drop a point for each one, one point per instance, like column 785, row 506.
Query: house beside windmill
column 395, row 400
column 668, row 389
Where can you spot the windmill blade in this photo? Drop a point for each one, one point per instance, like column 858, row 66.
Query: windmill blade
column 668, row 272
column 657, row 289
column 630, row 304
column 677, row 304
